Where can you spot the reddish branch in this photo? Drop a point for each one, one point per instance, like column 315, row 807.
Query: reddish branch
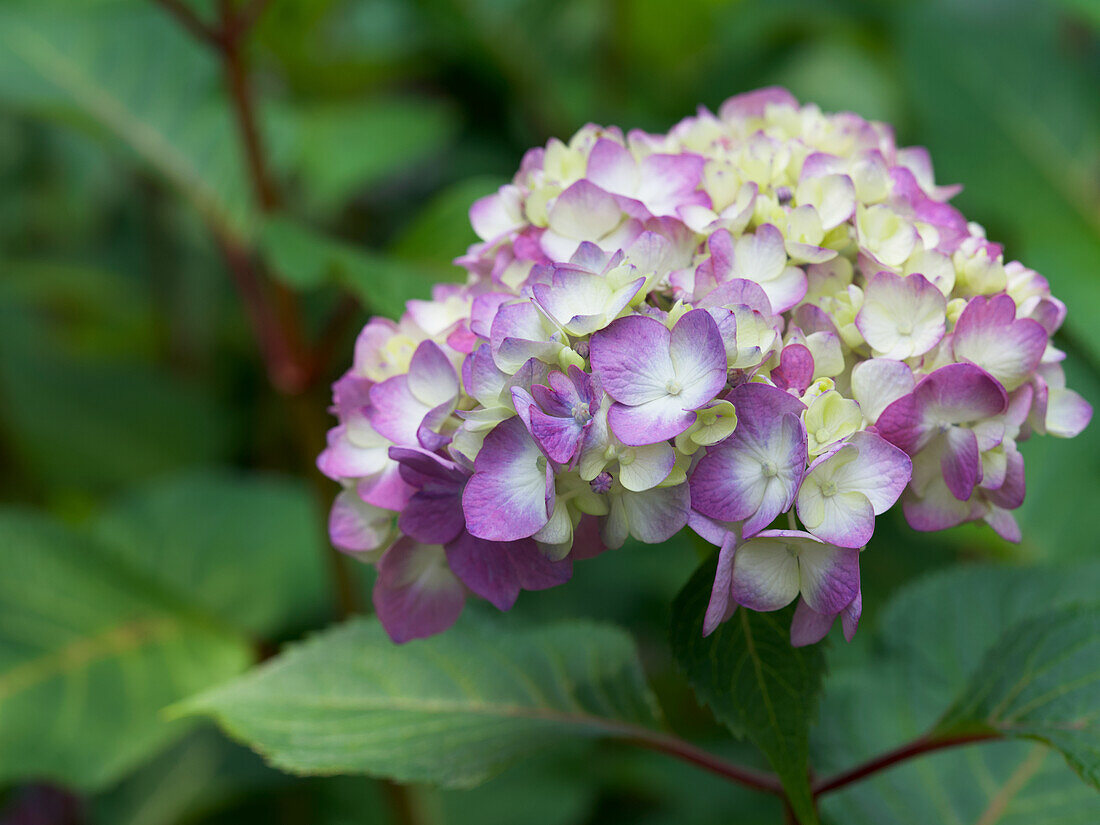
column 187, row 18
column 687, row 752
column 917, row 747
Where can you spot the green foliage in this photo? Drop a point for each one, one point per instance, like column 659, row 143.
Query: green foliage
column 103, row 627
column 129, row 374
column 951, row 650
column 129, row 72
column 453, row 710
column 347, row 147
column 307, row 259
column 1005, row 127
column 1040, row 682
column 91, row 652
column 63, row 347
column 753, row 680
column 191, row 533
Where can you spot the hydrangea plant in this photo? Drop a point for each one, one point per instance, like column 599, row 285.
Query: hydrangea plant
column 768, row 326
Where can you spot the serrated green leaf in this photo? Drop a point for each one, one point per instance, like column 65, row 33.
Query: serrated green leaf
column 1041, row 681
column 306, row 258
column 933, row 641
column 245, row 549
column 752, row 678
column 452, row 710
column 90, row 653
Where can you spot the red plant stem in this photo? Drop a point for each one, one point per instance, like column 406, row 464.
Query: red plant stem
column 187, row 18
column 245, row 19
column 687, row 752
column 917, row 747
column 230, row 40
column 285, row 370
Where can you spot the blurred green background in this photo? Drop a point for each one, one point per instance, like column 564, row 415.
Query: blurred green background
column 157, row 438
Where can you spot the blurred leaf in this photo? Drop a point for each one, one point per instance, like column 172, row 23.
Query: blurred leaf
column 132, row 72
column 201, row 773
column 1041, row 681
column 81, row 420
column 1023, row 135
column 306, row 259
column 1089, row 10
column 88, row 310
column 247, row 550
column 453, row 710
column 752, row 678
column 933, row 642
column 547, row 793
column 345, row 148
column 841, row 77
column 90, row 652
column 442, row 230
column 1058, row 469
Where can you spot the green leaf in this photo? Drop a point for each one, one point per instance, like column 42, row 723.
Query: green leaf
column 133, row 420
column 1020, row 134
column 935, row 638
column 246, row 550
column 130, row 71
column 305, row 259
column 347, row 147
column 753, row 680
column 453, row 710
column 90, row 653
column 442, row 230
column 200, row 773
column 1041, row 681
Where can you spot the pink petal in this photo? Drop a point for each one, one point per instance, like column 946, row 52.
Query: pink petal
column 753, row 104
column 613, row 168
column 585, row 212
column 881, row 472
column 961, row 463
column 829, row 576
column 650, row 423
column 395, row 412
column 989, row 335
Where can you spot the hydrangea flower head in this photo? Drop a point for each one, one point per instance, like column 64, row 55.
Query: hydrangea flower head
column 767, row 325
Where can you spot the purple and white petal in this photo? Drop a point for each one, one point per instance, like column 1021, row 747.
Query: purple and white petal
column 358, row 528
column 989, row 334
column 498, row 570
column 878, row 383
column 510, row 495
column 961, row 462
column 721, row 604
column 765, row 574
column 416, row 595
column 828, row 576
column 902, row 317
column 631, row 358
column 656, row 515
